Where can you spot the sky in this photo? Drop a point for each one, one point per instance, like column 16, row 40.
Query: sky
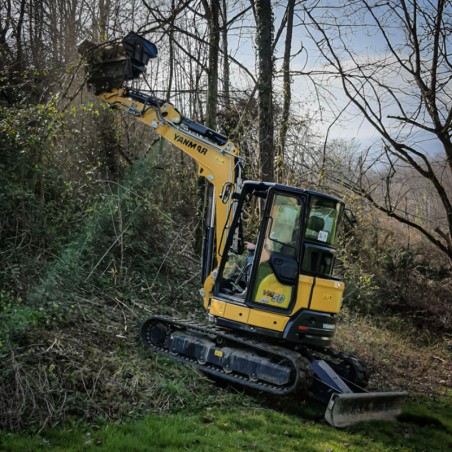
column 324, row 101
column 304, row 98
column 367, row 45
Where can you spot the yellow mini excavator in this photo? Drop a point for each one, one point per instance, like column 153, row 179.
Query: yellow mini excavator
column 269, row 291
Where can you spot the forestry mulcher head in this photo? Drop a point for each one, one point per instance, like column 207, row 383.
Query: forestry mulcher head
column 109, row 65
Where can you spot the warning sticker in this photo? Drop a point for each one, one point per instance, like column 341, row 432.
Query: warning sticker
column 323, row 236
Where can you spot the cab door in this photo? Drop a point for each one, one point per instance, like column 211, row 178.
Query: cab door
column 275, row 271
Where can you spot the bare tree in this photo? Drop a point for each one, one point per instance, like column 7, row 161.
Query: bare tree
column 403, row 89
column 287, row 90
column 264, row 42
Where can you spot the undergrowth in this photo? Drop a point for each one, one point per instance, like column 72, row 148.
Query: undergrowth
column 70, row 348
column 397, row 355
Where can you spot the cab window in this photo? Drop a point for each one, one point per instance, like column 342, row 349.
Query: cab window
column 323, row 217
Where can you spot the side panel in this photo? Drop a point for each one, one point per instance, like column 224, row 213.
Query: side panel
column 267, row 320
column 327, row 295
column 304, row 290
column 252, row 317
column 217, row 308
column 237, row 313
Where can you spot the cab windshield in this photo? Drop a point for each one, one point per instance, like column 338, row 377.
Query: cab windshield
column 323, row 218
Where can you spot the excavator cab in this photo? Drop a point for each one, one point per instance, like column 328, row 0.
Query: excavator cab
column 285, row 286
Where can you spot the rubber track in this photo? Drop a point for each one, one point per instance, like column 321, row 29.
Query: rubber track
column 274, row 352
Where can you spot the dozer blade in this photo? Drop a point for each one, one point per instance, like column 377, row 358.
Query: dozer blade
column 350, row 408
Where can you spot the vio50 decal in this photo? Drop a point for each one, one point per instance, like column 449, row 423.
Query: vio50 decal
column 275, row 297
column 190, row 144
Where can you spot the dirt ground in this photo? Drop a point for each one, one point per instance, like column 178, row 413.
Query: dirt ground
column 396, row 360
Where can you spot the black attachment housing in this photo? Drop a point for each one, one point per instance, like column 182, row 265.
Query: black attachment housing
column 139, row 51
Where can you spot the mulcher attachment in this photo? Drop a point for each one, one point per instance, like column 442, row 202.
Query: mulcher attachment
column 347, row 403
column 139, row 51
column 109, row 65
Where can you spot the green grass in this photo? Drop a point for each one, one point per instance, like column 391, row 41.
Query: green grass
column 425, row 425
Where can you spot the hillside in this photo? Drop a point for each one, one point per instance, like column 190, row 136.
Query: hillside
column 70, row 350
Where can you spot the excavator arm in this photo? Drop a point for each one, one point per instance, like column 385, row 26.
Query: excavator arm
column 216, row 156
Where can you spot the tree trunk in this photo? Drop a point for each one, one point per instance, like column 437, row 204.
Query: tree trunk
column 265, row 59
column 19, row 66
column 171, row 53
column 104, row 10
column 224, row 38
column 212, row 12
column 286, row 92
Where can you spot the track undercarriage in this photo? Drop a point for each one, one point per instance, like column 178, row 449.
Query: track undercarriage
column 336, row 380
column 229, row 356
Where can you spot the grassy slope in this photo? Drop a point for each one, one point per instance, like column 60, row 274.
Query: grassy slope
column 106, row 375
column 260, row 429
column 192, row 413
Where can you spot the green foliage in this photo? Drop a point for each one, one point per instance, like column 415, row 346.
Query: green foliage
column 354, row 257
column 361, row 290
column 248, row 428
column 65, row 223
column 34, row 203
column 39, row 207
column 125, row 260
column 123, row 246
column 14, row 317
column 388, row 275
column 87, row 249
